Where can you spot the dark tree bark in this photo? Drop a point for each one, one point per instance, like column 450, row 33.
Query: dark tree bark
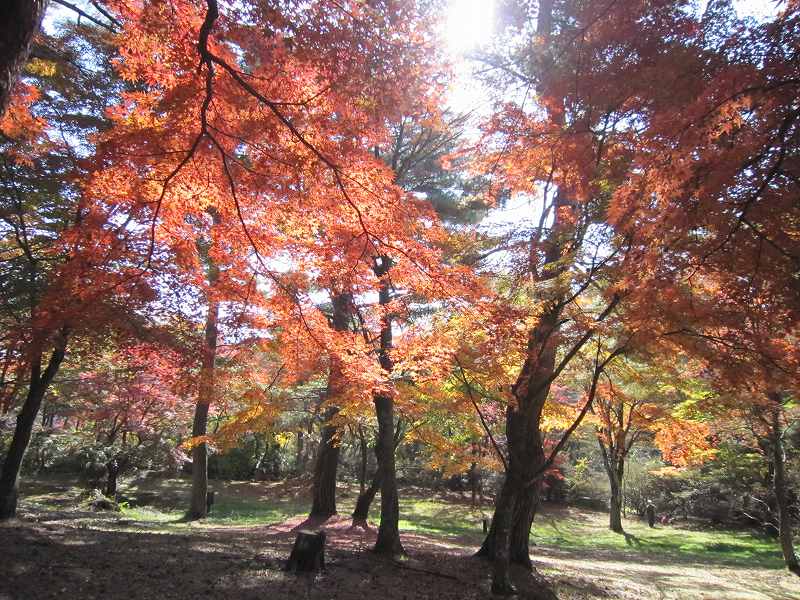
column 308, row 552
column 19, row 21
column 39, row 382
column 473, row 484
column 615, row 505
column 324, row 490
column 388, row 541
column 779, row 482
column 516, row 504
column 522, row 509
column 364, row 501
column 498, row 540
column 198, row 508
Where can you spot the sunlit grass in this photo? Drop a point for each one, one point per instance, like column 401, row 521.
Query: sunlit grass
column 584, row 531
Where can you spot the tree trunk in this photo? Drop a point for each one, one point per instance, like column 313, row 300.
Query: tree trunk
column 365, row 499
column 308, row 552
column 501, row 530
column 388, row 541
column 299, row 460
column 39, row 383
column 615, row 506
column 779, row 481
column 473, row 484
column 112, row 468
column 198, row 508
column 518, row 500
column 19, row 21
column 324, row 491
column 615, row 469
column 523, row 511
column 362, row 473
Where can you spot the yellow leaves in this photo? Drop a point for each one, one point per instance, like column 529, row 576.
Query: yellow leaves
column 41, row 67
column 195, row 441
column 284, row 438
column 685, row 443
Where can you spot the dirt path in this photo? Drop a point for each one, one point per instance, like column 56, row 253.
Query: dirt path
column 62, row 555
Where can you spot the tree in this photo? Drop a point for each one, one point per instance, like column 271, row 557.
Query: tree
column 631, row 405
column 130, row 406
column 603, row 130
column 64, row 256
column 20, row 21
column 762, row 423
column 777, row 429
column 276, row 153
column 324, row 490
column 570, row 151
column 719, row 237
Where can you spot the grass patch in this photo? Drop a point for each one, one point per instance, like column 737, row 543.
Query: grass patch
column 588, row 531
column 441, row 518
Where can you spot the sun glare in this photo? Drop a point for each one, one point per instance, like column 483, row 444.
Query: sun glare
column 469, row 24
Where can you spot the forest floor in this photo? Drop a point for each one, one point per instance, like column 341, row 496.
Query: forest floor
column 60, row 549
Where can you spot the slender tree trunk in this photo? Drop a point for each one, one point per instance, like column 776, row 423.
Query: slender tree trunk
column 501, row 530
column 615, row 470
column 388, row 541
column 524, row 513
column 299, row 462
column 473, row 484
column 779, row 481
column 365, row 499
column 39, row 383
column 19, row 21
column 518, row 500
column 198, row 508
column 522, row 510
column 362, row 474
column 615, row 505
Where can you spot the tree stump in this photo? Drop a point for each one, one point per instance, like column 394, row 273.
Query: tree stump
column 308, row 552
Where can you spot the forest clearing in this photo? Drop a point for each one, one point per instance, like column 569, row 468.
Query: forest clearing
column 240, row 550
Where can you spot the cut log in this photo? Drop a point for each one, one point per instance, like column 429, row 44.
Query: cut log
column 308, row 552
